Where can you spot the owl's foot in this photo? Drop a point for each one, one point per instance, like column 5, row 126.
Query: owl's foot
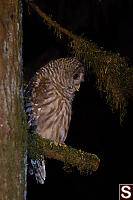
column 62, row 145
column 57, row 144
column 54, row 143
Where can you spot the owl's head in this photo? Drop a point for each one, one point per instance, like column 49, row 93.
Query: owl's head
column 64, row 74
column 72, row 74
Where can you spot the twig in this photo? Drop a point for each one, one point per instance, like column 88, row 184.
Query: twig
column 52, row 23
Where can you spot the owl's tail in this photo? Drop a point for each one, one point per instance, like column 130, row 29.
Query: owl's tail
column 37, row 168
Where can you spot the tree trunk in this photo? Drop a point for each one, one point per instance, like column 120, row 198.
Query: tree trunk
column 12, row 132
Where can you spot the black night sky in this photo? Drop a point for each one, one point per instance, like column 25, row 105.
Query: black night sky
column 94, row 128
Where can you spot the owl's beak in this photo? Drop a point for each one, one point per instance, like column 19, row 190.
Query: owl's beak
column 77, row 87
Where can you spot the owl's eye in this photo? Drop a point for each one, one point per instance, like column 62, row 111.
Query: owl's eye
column 75, row 76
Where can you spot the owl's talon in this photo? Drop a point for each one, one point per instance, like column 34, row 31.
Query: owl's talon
column 60, row 145
column 64, row 145
column 56, row 144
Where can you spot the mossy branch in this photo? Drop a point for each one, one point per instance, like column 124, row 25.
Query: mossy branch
column 84, row 162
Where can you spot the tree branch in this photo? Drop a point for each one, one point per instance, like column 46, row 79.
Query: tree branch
column 58, row 28
column 84, row 162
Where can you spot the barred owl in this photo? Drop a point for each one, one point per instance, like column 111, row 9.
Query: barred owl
column 49, row 98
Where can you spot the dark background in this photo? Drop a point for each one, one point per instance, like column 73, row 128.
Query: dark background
column 94, row 128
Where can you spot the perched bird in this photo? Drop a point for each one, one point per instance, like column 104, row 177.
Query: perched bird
column 49, row 98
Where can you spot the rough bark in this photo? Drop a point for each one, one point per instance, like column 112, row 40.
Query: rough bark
column 12, row 134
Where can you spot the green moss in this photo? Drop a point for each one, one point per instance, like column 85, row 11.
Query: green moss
column 35, row 146
column 12, row 150
column 84, row 162
column 112, row 72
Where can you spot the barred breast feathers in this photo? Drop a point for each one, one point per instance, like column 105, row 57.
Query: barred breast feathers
column 50, row 96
